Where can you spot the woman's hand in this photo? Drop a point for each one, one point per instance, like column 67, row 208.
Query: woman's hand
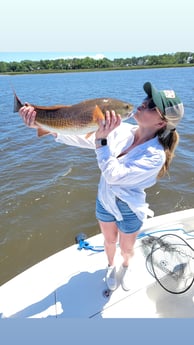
column 28, row 115
column 112, row 121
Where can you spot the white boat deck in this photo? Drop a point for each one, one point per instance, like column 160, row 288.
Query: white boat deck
column 70, row 284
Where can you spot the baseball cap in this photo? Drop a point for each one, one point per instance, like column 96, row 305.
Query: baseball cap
column 168, row 103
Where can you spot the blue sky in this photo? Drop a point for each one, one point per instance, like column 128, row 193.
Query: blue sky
column 41, row 29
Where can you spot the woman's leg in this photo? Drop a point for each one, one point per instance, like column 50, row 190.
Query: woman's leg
column 127, row 242
column 110, row 232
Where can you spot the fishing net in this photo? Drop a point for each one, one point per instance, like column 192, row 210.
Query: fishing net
column 170, row 260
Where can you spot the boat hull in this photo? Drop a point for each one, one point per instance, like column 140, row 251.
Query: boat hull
column 70, row 283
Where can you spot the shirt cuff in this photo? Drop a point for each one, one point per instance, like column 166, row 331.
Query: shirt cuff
column 102, row 153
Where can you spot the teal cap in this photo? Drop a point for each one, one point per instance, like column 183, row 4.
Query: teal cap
column 167, row 102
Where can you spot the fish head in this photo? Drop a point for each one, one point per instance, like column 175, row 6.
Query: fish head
column 120, row 107
column 124, row 109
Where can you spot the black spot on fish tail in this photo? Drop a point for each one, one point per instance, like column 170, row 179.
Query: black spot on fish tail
column 17, row 103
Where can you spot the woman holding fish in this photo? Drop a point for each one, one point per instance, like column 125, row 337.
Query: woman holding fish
column 131, row 158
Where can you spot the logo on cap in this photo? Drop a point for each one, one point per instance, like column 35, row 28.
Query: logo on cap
column 169, row 93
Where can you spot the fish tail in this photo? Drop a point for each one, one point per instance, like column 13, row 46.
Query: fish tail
column 17, row 103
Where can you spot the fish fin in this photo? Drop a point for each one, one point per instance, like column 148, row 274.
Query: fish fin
column 98, row 114
column 41, row 132
column 89, row 134
column 51, row 107
column 17, row 103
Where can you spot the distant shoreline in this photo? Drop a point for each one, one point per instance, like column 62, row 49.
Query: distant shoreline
column 100, row 69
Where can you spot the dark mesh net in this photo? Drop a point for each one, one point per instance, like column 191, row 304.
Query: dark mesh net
column 170, row 259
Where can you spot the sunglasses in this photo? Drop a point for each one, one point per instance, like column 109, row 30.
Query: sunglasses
column 152, row 106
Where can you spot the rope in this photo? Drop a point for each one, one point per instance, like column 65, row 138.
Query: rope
column 85, row 245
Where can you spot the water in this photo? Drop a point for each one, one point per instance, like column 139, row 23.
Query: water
column 48, row 189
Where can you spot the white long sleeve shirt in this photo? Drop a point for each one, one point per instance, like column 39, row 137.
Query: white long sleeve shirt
column 126, row 177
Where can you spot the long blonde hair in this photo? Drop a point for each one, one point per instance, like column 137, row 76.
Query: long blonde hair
column 169, row 143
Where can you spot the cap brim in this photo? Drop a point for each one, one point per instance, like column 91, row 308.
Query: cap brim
column 153, row 93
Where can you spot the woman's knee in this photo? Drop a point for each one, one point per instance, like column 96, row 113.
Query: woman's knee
column 127, row 250
column 127, row 242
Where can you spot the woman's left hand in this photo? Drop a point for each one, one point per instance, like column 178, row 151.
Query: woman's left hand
column 112, row 121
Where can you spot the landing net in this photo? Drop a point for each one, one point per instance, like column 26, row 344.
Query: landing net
column 170, row 261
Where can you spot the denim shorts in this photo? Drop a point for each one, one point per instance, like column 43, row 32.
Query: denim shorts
column 130, row 223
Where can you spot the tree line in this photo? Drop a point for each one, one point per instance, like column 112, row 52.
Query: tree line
column 88, row 63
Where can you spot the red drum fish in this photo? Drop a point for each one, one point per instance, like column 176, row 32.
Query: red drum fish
column 80, row 118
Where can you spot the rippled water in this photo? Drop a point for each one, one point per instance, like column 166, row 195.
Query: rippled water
column 48, row 189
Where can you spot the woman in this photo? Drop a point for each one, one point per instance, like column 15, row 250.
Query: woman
column 131, row 158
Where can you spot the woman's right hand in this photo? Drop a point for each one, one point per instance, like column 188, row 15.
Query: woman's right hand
column 28, row 115
column 112, row 121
